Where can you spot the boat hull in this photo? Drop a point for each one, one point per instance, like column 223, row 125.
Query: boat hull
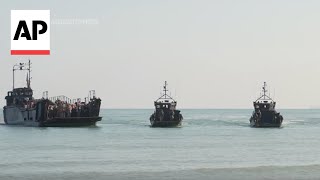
column 165, row 123
column 155, row 121
column 265, row 125
column 71, row 122
column 19, row 116
column 268, row 119
column 14, row 115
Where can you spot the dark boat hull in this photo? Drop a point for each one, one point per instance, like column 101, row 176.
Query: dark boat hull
column 155, row 121
column 265, row 125
column 264, row 115
column 71, row 122
column 266, row 121
column 165, row 123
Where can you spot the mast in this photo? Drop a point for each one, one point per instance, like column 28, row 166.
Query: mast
column 165, row 95
column 264, row 89
column 22, row 67
column 263, row 95
column 29, row 78
column 165, row 89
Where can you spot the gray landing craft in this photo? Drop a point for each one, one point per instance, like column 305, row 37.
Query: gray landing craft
column 264, row 114
column 22, row 109
column 165, row 114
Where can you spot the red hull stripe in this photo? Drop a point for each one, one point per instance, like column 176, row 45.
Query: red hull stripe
column 30, row 52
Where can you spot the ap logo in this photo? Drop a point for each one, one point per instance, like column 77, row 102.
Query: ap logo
column 30, row 32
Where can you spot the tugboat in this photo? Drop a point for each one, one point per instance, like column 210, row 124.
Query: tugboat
column 264, row 114
column 165, row 114
column 23, row 109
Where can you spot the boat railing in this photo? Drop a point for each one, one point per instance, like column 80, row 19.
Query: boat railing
column 60, row 98
column 91, row 96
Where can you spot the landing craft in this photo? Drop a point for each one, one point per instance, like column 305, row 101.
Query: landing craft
column 264, row 114
column 23, row 109
column 165, row 114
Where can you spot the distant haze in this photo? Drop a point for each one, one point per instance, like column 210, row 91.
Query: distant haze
column 214, row 54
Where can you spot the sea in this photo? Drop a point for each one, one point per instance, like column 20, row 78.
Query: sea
column 210, row 144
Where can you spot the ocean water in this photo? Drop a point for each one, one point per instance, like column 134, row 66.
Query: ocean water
column 216, row 144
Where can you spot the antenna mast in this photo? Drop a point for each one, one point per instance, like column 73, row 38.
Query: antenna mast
column 165, row 89
column 264, row 88
column 22, row 67
column 29, row 79
column 165, row 95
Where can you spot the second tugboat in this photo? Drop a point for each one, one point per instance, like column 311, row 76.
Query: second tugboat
column 165, row 114
column 22, row 109
column 264, row 114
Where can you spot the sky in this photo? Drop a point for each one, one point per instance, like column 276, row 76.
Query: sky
column 214, row 54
